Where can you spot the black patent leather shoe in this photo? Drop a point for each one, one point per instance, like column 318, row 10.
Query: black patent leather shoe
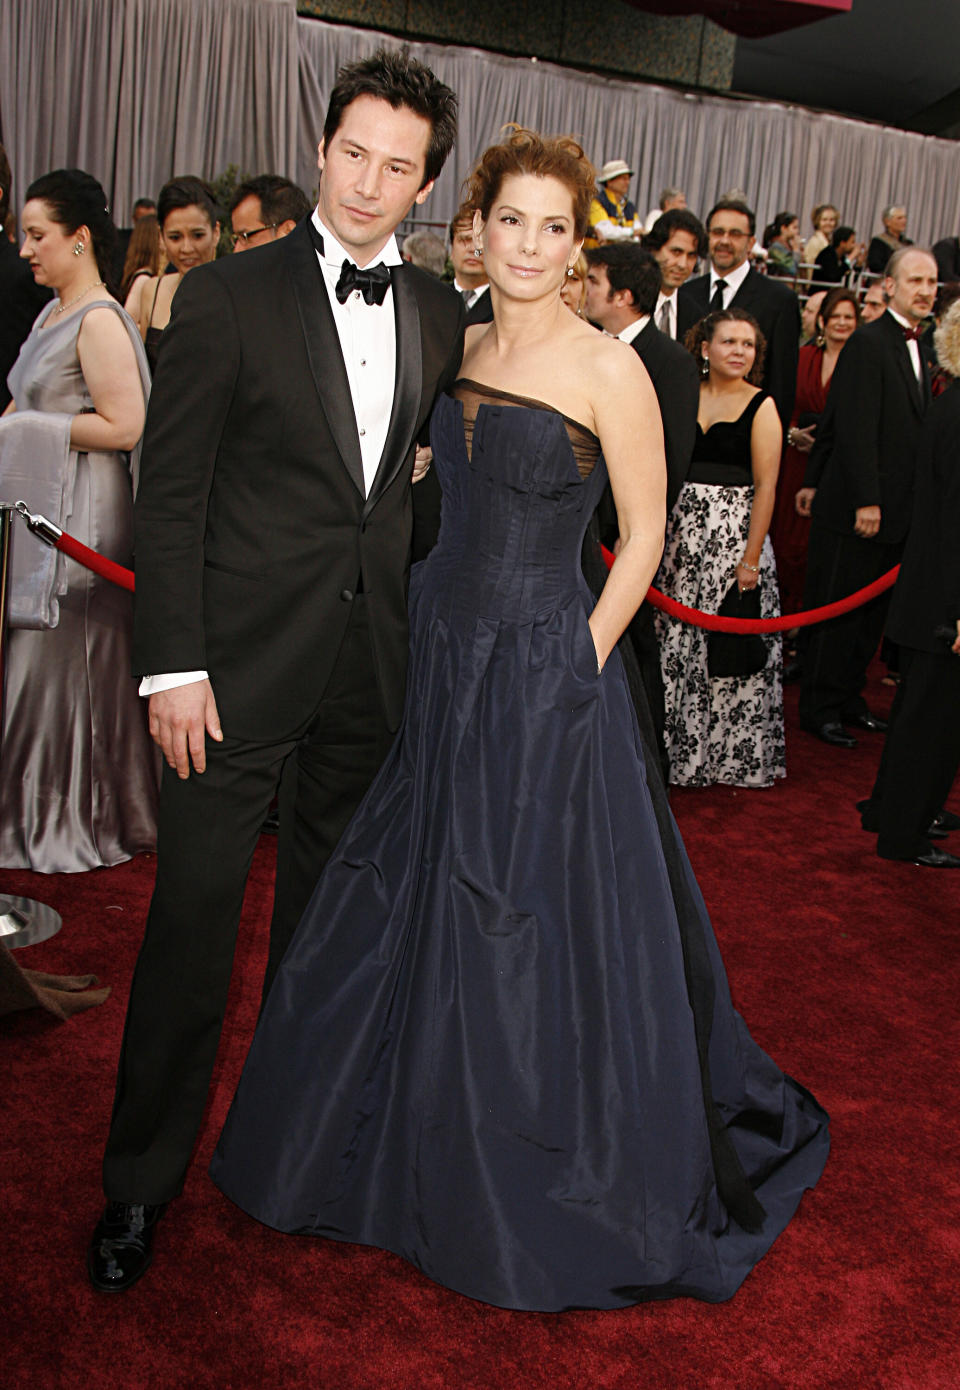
column 867, row 721
column 937, row 859
column 946, row 821
column 832, row 733
column 122, row 1245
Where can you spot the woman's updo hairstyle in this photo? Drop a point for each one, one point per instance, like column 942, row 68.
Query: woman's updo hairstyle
column 187, row 191
column 74, row 199
column 526, row 152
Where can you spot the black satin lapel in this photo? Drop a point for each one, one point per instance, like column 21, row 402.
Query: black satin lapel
column 323, row 350
column 917, row 389
column 408, row 388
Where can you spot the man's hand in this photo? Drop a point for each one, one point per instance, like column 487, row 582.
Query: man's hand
column 867, row 521
column 422, row 462
column 179, row 718
column 803, row 500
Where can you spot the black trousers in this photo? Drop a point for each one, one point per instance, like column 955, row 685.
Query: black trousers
column 921, row 753
column 836, row 654
column 208, row 830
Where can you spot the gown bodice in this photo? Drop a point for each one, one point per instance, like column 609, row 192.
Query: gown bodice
column 721, row 453
column 520, row 482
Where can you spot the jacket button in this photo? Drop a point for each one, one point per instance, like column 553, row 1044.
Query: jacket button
column 346, row 595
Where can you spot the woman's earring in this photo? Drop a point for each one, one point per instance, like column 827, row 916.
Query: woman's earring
column 78, row 248
column 821, row 338
column 478, row 250
column 570, row 271
column 704, row 366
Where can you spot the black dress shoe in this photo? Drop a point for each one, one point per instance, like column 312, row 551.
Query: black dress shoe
column 937, row 859
column 122, row 1245
column 946, row 821
column 867, row 721
column 833, row 733
column 934, row 831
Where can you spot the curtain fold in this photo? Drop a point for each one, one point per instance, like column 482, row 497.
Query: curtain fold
column 137, row 90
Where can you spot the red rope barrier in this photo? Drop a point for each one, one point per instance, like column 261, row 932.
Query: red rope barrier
column 713, row 623
column 107, row 569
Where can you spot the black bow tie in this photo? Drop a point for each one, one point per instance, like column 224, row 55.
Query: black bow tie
column 372, row 284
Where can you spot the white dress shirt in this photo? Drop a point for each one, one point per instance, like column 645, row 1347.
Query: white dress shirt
column 733, row 282
column 913, row 347
column 469, row 296
column 633, row 330
column 368, row 341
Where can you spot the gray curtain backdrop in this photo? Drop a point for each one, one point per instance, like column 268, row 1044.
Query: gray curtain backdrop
column 137, row 90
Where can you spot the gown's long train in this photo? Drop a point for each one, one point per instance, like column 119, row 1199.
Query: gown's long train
column 481, row 1051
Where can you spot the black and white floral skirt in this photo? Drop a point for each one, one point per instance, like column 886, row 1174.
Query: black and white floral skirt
column 725, row 729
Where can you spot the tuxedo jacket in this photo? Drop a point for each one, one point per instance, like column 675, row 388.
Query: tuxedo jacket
column 946, row 253
column 21, row 300
column 866, row 448
column 927, row 591
column 675, row 378
column 776, row 310
column 480, row 311
column 252, row 530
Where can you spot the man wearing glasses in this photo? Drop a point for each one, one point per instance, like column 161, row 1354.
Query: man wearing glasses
column 264, row 209
column 731, row 227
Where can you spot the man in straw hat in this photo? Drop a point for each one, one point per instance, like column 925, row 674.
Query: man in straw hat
column 612, row 216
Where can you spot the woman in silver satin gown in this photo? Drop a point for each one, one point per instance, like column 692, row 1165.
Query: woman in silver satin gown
column 78, row 772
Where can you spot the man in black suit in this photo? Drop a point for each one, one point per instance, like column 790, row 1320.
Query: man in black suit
column 677, row 241
column 731, row 227
column 623, row 283
column 273, row 531
column 922, row 750
column 21, row 298
column 862, row 467
column 469, row 276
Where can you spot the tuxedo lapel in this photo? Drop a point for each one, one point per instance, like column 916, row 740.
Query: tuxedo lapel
column 323, row 349
column 408, row 388
column 916, row 390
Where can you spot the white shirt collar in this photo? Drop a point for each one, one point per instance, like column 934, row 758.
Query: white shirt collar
column 334, row 255
column 733, row 280
column 633, row 330
column 904, row 323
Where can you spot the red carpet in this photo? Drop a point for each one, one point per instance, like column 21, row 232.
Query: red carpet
column 848, row 971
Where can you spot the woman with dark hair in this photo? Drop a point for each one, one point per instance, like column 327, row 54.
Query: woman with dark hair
column 722, row 726
column 837, row 319
column 189, row 234
column 79, row 785
column 481, row 1050
column 781, row 241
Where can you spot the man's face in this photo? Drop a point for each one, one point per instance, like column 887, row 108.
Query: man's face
column 467, row 265
column 809, row 312
column 873, row 304
column 247, row 217
column 847, row 248
column 371, row 174
column 617, row 187
column 597, row 304
column 912, row 289
column 896, row 223
column 677, row 259
column 730, row 238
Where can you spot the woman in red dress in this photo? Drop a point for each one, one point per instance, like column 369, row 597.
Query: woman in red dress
column 789, row 531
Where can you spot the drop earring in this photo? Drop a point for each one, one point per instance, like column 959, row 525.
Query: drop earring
column 704, row 367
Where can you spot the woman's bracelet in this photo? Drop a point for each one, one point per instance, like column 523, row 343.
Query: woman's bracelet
column 791, row 436
column 742, row 565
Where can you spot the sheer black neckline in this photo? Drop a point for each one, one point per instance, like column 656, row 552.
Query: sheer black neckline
column 482, row 389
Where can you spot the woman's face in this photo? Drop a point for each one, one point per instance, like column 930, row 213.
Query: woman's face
column 188, row 239
column 732, row 350
column 841, row 323
column 528, row 239
column 571, row 292
column 790, row 233
column 828, row 222
column 48, row 247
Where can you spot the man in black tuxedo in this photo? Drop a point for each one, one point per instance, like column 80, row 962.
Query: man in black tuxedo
column 922, row 750
column 273, row 528
column 731, row 227
column 21, row 298
column 862, row 469
column 469, row 276
column 623, row 284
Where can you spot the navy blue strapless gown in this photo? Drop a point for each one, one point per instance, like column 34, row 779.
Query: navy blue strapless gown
column 480, row 1051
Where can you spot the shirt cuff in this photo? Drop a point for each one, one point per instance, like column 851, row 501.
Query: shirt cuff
column 170, row 680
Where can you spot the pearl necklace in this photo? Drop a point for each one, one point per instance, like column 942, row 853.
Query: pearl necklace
column 62, row 308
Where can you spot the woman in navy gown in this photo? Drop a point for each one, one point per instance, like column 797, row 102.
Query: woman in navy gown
column 502, row 1043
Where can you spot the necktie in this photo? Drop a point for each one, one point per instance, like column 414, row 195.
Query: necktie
column 716, row 303
column 663, row 322
column 372, row 284
column 466, row 296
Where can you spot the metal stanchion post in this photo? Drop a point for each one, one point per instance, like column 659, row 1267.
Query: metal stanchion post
column 22, row 921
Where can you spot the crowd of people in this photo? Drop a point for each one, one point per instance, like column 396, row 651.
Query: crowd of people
column 280, row 653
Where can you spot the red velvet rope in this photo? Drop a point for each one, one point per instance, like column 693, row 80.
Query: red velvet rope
column 107, row 569
column 117, row 574
column 784, row 623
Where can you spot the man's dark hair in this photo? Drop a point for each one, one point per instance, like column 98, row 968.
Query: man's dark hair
column 461, row 219
column 6, row 177
column 676, row 220
column 396, row 78
column 280, row 200
column 842, row 234
column 144, row 205
column 629, row 268
column 734, row 205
